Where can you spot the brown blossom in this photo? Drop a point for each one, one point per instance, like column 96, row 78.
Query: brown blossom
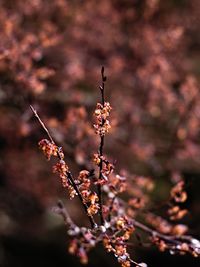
column 102, row 112
column 49, row 149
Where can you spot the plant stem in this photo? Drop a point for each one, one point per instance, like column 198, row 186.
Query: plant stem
column 101, row 145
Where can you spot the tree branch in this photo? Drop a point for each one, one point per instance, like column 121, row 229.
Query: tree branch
column 102, row 88
column 69, row 176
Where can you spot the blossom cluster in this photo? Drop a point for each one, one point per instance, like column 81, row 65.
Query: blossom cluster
column 82, row 240
column 106, row 168
column 48, row 148
column 102, row 112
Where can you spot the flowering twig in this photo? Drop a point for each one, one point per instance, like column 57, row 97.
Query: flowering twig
column 102, row 87
column 182, row 243
column 67, row 173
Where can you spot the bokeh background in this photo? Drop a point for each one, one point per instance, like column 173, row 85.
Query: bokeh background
column 51, row 53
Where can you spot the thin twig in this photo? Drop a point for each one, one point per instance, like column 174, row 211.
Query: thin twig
column 61, row 210
column 102, row 87
column 42, row 124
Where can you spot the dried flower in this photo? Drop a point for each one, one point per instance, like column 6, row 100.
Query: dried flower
column 60, row 167
column 49, row 149
column 96, row 159
column 102, row 112
column 72, row 191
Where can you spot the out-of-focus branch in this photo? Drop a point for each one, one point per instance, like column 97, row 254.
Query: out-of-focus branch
column 61, row 210
column 176, row 240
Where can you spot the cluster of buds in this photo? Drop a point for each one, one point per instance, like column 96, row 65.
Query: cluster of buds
column 48, row 148
column 102, row 112
column 83, row 180
column 97, row 159
column 116, row 242
column 72, row 191
column 106, row 168
column 118, row 183
column 115, row 185
column 124, row 224
column 51, row 149
column 89, row 197
column 61, row 168
column 119, row 248
column 82, row 241
column 94, row 205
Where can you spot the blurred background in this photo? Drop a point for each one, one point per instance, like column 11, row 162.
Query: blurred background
column 51, row 53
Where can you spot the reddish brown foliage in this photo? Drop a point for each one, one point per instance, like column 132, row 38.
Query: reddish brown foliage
column 50, row 53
